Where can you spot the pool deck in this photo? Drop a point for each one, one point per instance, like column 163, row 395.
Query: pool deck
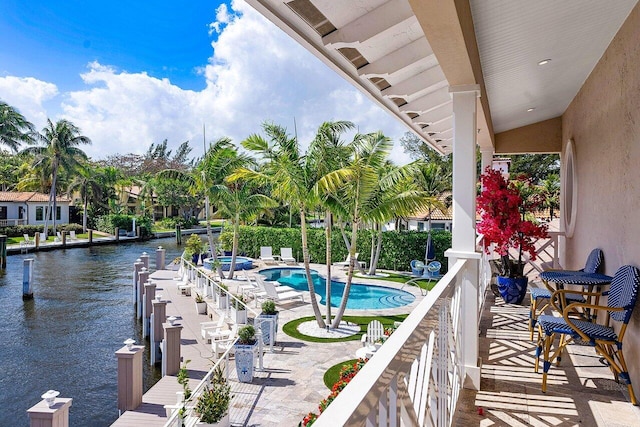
column 291, row 383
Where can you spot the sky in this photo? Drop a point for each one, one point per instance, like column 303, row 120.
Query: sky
column 130, row 74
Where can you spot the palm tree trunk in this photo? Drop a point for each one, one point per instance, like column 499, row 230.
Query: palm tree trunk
column 54, row 195
column 327, row 224
column 307, row 269
column 347, row 287
column 234, row 248
column 376, row 257
column 84, row 214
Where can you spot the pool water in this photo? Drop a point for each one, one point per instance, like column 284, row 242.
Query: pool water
column 361, row 296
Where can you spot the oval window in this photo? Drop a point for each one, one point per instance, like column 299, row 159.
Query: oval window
column 569, row 189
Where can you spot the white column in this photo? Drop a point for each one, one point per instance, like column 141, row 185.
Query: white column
column 464, row 167
column 463, row 239
column 487, row 158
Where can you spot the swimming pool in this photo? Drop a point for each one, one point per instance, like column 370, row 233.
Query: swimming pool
column 361, row 296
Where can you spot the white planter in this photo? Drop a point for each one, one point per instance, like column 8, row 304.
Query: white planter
column 239, row 316
column 222, row 301
column 224, row 422
column 245, row 361
column 201, row 307
column 266, row 330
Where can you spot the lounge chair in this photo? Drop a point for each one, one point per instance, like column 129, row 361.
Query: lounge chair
column 206, row 327
column 593, row 265
column 27, row 240
column 266, row 255
column 286, row 255
column 621, row 299
column 223, row 341
column 58, row 237
column 72, row 235
column 416, row 267
column 375, row 331
column 278, row 297
column 346, row 262
column 261, row 292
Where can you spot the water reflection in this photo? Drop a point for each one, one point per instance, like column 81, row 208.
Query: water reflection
column 66, row 337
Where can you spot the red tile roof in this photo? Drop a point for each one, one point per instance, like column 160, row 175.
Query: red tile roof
column 28, row 196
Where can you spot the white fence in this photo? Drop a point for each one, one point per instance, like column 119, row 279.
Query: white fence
column 416, row 377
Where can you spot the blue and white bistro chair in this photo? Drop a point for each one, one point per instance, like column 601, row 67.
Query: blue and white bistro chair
column 538, row 295
column 621, row 298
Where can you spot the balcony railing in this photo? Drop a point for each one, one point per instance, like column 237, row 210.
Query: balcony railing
column 12, row 222
column 416, row 376
column 547, row 255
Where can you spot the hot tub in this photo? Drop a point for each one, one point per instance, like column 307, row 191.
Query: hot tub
column 242, row 263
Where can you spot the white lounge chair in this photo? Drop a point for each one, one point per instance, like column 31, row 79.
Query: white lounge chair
column 278, row 297
column 58, row 237
column 206, row 327
column 72, row 235
column 375, row 331
column 261, row 291
column 286, row 255
column 266, row 255
column 346, row 262
column 27, row 240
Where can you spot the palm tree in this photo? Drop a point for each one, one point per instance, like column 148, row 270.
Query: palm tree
column 550, row 188
column 90, row 183
column 327, row 152
column 14, row 128
column 58, row 152
column 292, row 178
column 367, row 189
column 238, row 202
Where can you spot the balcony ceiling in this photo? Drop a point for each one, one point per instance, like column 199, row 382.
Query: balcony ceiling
column 404, row 54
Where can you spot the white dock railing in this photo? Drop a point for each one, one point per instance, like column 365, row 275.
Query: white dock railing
column 208, row 285
column 416, row 377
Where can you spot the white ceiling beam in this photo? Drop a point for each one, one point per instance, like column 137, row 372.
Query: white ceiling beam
column 398, row 60
column 427, row 102
column 394, row 13
column 422, row 82
column 435, row 115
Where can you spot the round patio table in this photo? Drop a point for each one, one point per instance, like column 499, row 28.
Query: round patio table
column 569, row 277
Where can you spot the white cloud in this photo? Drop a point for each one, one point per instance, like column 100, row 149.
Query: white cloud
column 28, row 94
column 256, row 73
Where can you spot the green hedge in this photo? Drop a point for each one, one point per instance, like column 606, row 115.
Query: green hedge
column 398, row 248
column 20, row 230
column 108, row 223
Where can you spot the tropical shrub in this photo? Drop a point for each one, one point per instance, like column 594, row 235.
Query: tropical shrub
column 108, row 223
column 19, row 230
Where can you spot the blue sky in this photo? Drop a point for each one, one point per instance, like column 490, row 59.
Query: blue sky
column 133, row 73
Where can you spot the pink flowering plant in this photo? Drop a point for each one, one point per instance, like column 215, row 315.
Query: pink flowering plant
column 503, row 207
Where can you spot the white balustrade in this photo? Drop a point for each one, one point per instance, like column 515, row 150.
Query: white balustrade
column 415, row 378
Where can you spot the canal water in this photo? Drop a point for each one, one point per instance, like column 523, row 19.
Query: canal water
column 66, row 337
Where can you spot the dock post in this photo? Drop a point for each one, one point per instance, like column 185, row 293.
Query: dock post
column 37, row 240
column 139, row 232
column 171, row 349
column 129, row 376
column 178, row 235
column 64, row 238
column 158, row 317
column 160, row 258
column 136, row 271
column 52, row 411
column 3, row 251
column 27, row 277
column 145, row 259
column 90, row 236
column 117, row 231
column 143, row 277
column 149, row 296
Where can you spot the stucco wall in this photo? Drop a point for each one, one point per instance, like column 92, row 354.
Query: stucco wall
column 604, row 122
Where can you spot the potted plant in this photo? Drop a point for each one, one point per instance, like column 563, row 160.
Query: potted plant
column 194, row 247
column 238, row 309
column 212, row 405
column 246, row 349
column 221, row 293
column 201, row 306
column 269, row 312
column 503, row 206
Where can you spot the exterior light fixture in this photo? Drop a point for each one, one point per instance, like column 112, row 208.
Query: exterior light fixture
column 129, row 343
column 158, row 297
column 50, row 397
column 531, row 109
column 544, row 62
column 172, row 320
